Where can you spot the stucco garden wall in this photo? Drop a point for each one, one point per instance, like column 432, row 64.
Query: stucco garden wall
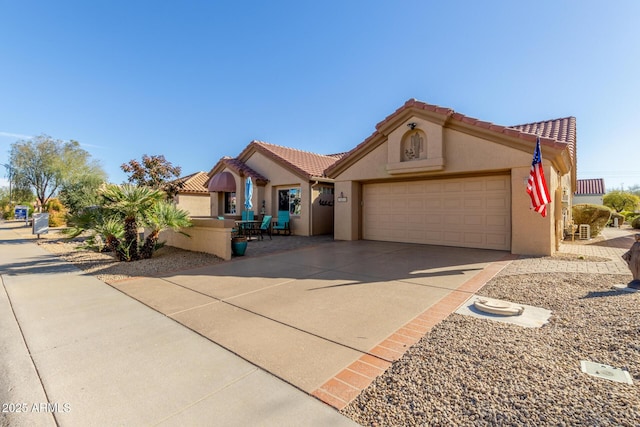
column 207, row 235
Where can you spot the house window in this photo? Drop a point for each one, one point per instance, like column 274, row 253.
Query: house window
column 230, row 203
column 326, row 190
column 289, row 200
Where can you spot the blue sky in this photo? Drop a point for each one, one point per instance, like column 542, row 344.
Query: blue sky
column 198, row 80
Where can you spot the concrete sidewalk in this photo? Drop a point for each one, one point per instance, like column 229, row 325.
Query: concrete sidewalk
column 75, row 351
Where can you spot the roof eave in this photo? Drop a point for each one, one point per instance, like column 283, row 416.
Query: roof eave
column 255, row 146
column 361, row 150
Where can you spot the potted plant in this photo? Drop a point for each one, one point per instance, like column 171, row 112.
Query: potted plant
column 239, row 245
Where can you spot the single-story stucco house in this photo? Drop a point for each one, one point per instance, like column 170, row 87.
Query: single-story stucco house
column 426, row 175
column 431, row 175
column 193, row 195
column 284, row 179
column 589, row 191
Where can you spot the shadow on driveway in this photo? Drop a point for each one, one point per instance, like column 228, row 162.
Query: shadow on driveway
column 306, row 314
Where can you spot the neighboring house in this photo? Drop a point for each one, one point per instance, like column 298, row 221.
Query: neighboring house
column 430, row 175
column 589, row 191
column 284, row 179
column 193, row 195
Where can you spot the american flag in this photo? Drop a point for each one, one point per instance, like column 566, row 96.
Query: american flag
column 537, row 185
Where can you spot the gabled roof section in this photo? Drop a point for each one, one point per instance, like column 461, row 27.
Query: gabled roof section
column 239, row 167
column 557, row 134
column 193, row 184
column 303, row 163
column 590, row 187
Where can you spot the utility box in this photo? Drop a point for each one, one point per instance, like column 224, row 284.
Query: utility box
column 584, row 232
column 40, row 224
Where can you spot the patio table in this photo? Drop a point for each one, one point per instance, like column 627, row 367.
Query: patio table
column 249, row 228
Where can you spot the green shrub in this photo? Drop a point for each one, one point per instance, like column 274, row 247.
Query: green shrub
column 597, row 216
column 636, row 222
column 629, row 216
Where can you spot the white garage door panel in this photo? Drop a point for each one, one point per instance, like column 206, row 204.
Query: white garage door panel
column 468, row 212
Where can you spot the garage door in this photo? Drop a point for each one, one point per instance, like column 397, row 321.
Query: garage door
column 467, row 212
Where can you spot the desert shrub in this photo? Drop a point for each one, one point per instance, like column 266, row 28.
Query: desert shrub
column 7, row 212
column 57, row 213
column 597, row 216
column 615, row 215
column 636, row 222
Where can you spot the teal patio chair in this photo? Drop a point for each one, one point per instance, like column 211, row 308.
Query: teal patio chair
column 282, row 224
column 266, row 226
column 247, row 215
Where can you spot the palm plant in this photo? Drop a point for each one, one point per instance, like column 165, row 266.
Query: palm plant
column 164, row 215
column 132, row 203
column 123, row 209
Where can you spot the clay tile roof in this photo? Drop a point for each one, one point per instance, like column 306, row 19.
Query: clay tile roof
column 561, row 130
column 586, row 187
column 305, row 163
column 242, row 169
column 557, row 133
column 194, row 183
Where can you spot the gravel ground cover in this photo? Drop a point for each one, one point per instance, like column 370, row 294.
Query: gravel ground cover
column 470, row 371
column 106, row 268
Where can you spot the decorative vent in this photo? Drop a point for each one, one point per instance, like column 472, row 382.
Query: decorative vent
column 584, row 232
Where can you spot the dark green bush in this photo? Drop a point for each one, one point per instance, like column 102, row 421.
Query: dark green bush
column 636, row 222
column 597, row 216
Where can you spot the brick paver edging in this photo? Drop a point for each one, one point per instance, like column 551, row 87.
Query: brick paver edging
column 348, row 383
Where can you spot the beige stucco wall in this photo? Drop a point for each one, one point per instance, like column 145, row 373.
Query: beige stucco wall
column 208, row 235
column 594, row 200
column 347, row 210
column 321, row 211
column 195, row 204
column 464, row 154
column 531, row 233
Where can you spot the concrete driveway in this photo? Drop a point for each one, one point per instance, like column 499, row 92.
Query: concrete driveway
column 327, row 318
